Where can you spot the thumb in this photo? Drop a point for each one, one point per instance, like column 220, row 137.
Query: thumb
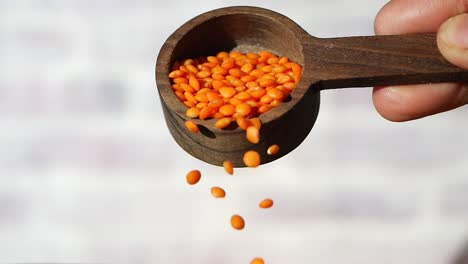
column 452, row 40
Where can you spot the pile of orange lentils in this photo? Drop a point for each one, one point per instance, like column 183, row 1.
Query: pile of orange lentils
column 234, row 87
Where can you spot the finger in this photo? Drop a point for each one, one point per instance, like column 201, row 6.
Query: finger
column 416, row 16
column 404, row 103
column 452, row 40
column 411, row 102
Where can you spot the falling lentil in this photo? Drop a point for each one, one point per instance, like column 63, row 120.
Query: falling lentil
column 233, row 86
column 251, row 159
column 266, row 203
column 256, row 122
column 237, row 222
column 253, row 134
column 273, row 149
column 218, row 192
column 228, row 167
column 257, row 261
column 193, row 177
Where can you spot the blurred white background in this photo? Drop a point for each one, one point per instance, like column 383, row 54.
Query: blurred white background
column 89, row 172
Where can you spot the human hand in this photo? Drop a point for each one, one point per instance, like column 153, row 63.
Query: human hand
column 450, row 19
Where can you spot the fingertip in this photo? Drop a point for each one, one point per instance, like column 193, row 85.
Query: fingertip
column 452, row 40
column 386, row 102
column 404, row 103
column 415, row 16
column 381, row 20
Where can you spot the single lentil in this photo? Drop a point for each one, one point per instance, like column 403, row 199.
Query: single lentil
column 253, row 134
column 228, row 167
column 218, row 192
column 257, row 261
column 237, row 222
column 266, row 203
column 192, row 126
column 193, row 177
column 251, row 159
column 273, row 149
column 223, row 122
column 243, row 123
column 193, row 112
column 256, row 122
column 205, row 113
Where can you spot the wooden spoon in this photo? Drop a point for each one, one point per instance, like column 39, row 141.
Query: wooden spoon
column 327, row 64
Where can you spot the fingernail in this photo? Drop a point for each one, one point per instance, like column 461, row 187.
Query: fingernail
column 455, row 31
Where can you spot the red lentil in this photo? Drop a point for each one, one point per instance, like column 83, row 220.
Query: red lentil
column 275, row 93
column 250, row 84
column 201, row 105
column 297, row 71
column 188, row 104
column 273, row 149
column 264, row 108
column 191, row 98
column 283, row 60
column 187, row 87
column 180, row 80
column 223, row 122
column 192, row 126
column 180, row 95
column 193, row 177
column 194, row 82
column 243, row 123
column 228, row 167
column 227, row 92
column 252, row 159
column 257, row 261
column 253, row 134
column 266, row 203
column 205, row 112
column 218, row 115
column 256, row 122
column 218, row 192
column 243, row 109
column 193, row 112
column 237, row 222
column 203, row 74
column 222, row 54
column 227, row 109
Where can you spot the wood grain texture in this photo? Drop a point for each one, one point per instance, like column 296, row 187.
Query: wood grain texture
column 379, row 60
column 327, row 64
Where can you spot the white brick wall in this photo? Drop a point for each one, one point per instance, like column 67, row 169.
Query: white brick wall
column 89, row 173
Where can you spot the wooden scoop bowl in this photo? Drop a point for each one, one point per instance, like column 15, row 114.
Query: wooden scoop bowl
column 327, row 64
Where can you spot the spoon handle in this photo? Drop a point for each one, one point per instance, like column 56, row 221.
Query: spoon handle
column 379, row 60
